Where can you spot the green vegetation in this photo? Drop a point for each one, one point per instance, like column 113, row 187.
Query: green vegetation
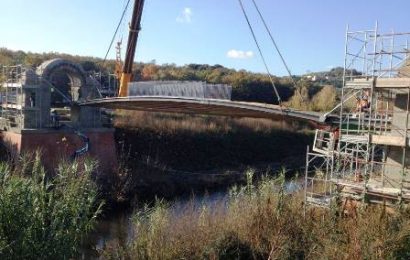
column 263, row 222
column 333, row 77
column 43, row 217
column 47, row 217
column 173, row 154
column 324, row 100
column 247, row 86
column 198, row 143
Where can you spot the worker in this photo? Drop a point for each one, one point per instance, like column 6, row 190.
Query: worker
column 55, row 119
column 365, row 98
column 336, row 135
column 32, row 100
column 358, row 106
column 362, row 103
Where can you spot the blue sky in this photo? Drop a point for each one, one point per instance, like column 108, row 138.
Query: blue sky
column 310, row 33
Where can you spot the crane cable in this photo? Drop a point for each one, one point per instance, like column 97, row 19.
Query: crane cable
column 277, row 48
column 260, row 53
column 116, row 31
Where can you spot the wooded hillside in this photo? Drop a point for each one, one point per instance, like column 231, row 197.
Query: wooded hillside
column 247, row 86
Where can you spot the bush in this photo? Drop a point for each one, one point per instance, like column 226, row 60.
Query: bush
column 264, row 222
column 43, row 217
column 300, row 99
column 229, row 246
column 325, row 99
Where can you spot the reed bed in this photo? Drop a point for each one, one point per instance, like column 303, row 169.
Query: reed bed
column 263, row 221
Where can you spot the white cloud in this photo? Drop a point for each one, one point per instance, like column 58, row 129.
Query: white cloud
column 236, row 54
column 185, row 16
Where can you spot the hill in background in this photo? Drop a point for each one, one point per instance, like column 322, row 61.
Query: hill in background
column 247, row 86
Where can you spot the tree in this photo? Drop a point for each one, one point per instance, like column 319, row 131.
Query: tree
column 6, row 57
column 247, row 86
column 300, row 98
column 89, row 65
column 33, row 59
column 149, row 72
column 325, row 99
column 215, row 76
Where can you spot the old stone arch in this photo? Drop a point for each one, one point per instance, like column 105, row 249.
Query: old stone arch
column 67, row 78
column 68, row 83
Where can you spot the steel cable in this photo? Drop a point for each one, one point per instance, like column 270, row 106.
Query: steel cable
column 277, row 48
column 116, row 31
column 260, row 52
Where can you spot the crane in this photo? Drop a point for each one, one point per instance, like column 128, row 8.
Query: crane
column 125, row 75
column 135, row 27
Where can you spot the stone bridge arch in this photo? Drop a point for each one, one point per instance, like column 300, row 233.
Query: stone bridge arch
column 68, row 78
column 70, row 85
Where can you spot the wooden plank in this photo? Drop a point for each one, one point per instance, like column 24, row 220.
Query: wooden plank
column 388, row 140
column 393, row 83
column 380, row 83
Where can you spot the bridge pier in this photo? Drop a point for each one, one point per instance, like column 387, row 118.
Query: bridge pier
column 40, row 111
column 57, row 145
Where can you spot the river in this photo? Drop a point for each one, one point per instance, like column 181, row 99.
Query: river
column 117, row 229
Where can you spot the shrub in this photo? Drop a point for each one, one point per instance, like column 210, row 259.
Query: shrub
column 300, row 99
column 229, row 246
column 325, row 99
column 264, row 222
column 43, row 217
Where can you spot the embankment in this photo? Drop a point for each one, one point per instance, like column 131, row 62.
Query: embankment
column 168, row 155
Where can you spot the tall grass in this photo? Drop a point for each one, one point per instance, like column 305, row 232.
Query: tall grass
column 184, row 142
column 43, row 217
column 264, row 222
column 171, row 123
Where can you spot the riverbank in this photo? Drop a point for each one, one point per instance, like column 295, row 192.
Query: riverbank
column 168, row 155
column 262, row 221
column 117, row 229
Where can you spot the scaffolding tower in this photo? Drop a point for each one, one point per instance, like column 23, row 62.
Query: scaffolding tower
column 366, row 157
column 11, row 95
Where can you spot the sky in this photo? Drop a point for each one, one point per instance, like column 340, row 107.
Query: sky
column 309, row 33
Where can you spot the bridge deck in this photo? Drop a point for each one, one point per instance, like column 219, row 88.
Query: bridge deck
column 203, row 106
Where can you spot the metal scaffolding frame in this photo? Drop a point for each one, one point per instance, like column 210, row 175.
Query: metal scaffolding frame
column 352, row 160
column 11, row 94
column 26, row 104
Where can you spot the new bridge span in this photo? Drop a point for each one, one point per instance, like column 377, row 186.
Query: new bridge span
column 201, row 106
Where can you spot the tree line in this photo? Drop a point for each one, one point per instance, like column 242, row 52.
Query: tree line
column 247, row 86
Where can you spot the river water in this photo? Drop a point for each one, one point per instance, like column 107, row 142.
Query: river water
column 118, row 230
